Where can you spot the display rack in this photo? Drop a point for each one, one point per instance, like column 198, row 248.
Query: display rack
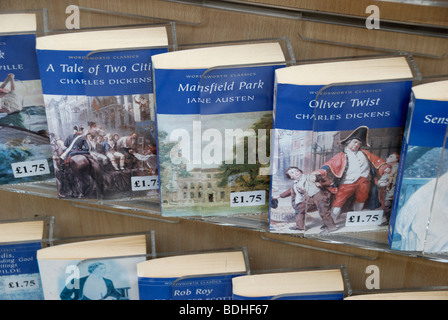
column 148, row 208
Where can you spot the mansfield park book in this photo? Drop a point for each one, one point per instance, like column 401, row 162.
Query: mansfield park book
column 25, row 153
column 338, row 129
column 99, row 100
column 214, row 112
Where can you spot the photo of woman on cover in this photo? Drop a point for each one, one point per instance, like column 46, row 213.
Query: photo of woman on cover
column 93, row 286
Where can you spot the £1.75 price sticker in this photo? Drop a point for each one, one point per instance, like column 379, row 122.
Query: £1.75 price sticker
column 364, row 218
column 30, row 168
column 247, row 198
column 141, row 183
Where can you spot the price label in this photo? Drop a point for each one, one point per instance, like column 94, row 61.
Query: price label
column 21, row 283
column 364, row 218
column 145, row 183
column 30, row 168
column 248, row 198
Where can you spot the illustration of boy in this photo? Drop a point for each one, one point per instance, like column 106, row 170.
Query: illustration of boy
column 306, row 196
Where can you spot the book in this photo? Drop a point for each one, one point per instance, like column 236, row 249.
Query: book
column 218, row 96
column 402, row 295
column 103, row 269
column 294, row 285
column 200, row 276
column 327, row 117
column 419, row 208
column 25, row 153
column 19, row 272
column 99, row 98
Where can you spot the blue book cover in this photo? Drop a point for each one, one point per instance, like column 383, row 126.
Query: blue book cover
column 336, row 143
column 19, row 272
column 25, row 153
column 210, row 287
column 419, row 209
column 214, row 115
column 201, row 276
column 98, row 93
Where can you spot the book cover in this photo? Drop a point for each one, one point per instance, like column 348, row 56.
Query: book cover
column 337, row 136
column 417, row 295
column 25, row 153
column 19, row 271
column 103, row 269
column 98, row 93
column 204, row 276
column 295, row 285
column 213, row 157
column 419, row 210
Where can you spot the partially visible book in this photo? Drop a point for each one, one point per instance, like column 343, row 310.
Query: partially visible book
column 98, row 93
column 19, row 272
column 337, row 136
column 295, row 285
column 402, row 295
column 104, row 269
column 419, row 216
column 25, row 153
column 202, row 276
column 214, row 115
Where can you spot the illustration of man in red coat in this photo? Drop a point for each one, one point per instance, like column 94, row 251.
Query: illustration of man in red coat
column 354, row 171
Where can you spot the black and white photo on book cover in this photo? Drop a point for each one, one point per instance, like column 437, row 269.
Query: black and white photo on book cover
column 90, row 279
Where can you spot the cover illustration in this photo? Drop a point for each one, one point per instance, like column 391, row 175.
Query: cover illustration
column 335, row 156
column 25, row 153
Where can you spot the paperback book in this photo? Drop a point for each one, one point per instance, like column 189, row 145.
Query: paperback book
column 104, row 269
column 98, row 93
column 201, row 276
column 214, row 158
column 417, row 295
column 25, row 153
column 19, row 272
column 338, row 129
column 293, row 285
column 419, row 215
